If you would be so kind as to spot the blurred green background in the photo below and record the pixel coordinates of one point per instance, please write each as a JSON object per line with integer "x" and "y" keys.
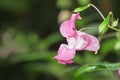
{"x": 30, "y": 38}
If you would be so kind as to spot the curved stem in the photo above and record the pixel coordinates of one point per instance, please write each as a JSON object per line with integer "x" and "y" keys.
{"x": 97, "y": 10}
{"x": 104, "y": 17}
{"x": 114, "y": 28}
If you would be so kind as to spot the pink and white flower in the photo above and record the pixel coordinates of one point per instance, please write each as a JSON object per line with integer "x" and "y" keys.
{"x": 77, "y": 41}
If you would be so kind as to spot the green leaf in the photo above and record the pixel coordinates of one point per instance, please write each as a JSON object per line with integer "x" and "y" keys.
{"x": 103, "y": 26}
{"x": 84, "y": 69}
{"x": 80, "y": 9}
{"x": 26, "y": 57}
{"x": 89, "y": 68}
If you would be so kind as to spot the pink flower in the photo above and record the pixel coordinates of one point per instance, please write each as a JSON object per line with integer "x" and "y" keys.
{"x": 77, "y": 41}
{"x": 118, "y": 72}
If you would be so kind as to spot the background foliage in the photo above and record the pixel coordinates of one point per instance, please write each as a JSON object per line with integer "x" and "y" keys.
{"x": 30, "y": 38}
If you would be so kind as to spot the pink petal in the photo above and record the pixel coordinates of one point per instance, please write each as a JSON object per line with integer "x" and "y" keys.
{"x": 118, "y": 72}
{"x": 66, "y": 62}
{"x": 75, "y": 16}
{"x": 78, "y": 42}
{"x": 67, "y": 28}
{"x": 65, "y": 54}
{"x": 92, "y": 42}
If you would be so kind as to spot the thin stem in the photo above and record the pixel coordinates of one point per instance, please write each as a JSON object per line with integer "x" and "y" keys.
{"x": 114, "y": 28}
{"x": 97, "y": 10}
{"x": 104, "y": 17}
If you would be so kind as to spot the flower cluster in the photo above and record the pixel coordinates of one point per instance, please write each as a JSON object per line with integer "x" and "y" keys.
{"x": 77, "y": 41}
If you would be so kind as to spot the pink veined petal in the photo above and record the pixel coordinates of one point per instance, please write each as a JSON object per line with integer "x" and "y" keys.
{"x": 67, "y": 28}
{"x": 66, "y": 62}
{"x": 77, "y": 42}
{"x": 64, "y": 53}
{"x": 92, "y": 42}
{"x": 80, "y": 43}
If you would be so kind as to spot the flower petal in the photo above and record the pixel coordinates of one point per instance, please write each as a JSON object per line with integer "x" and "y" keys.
{"x": 66, "y": 62}
{"x": 77, "y": 42}
{"x": 67, "y": 28}
{"x": 71, "y": 42}
{"x": 118, "y": 72}
{"x": 92, "y": 42}
{"x": 65, "y": 54}
{"x": 75, "y": 16}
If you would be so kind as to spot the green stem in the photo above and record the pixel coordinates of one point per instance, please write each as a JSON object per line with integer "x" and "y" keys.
{"x": 114, "y": 28}
{"x": 97, "y": 10}
{"x": 104, "y": 17}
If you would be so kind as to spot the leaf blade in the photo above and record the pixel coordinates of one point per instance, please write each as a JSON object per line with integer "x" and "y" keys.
{"x": 103, "y": 26}
{"x": 89, "y": 68}
{"x": 80, "y": 9}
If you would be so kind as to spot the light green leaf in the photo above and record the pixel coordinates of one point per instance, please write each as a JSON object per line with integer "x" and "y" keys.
{"x": 103, "y": 27}
{"x": 115, "y": 23}
{"x": 80, "y": 9}
{"x": 89, "y": 68}
{"x": 84, "y": 69}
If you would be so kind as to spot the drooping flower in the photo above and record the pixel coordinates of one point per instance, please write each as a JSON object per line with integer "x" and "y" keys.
{"x": 77, "y": 41}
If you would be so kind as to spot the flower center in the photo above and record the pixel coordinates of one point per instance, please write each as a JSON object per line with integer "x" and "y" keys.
{"x": 77, "y": 42}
